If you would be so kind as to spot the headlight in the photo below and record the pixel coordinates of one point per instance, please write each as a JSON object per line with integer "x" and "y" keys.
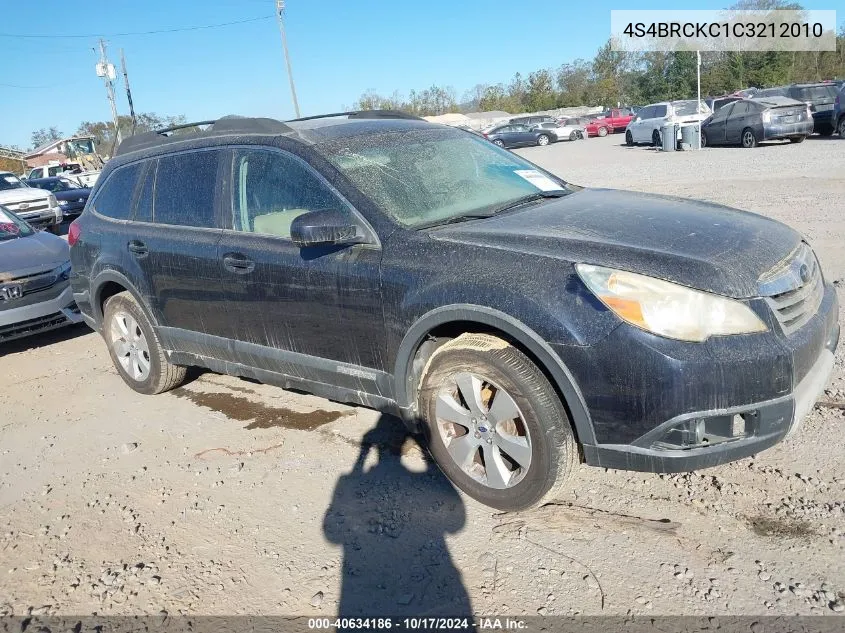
{"x": 668, "y": 309}
{"x": 51, "y": 201}
{"x": 766, "y": 116}
{"x": 63, "y": 203}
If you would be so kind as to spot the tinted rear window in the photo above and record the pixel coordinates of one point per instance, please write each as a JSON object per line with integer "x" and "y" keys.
{"x": 184, "y": 190}
{"x": 816, "y": 93}
{"x": 114, "y": 200}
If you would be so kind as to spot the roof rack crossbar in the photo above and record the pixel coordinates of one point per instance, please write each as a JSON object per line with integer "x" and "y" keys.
{"x": 163, "y": 131}
{"x": 363, "y": 114}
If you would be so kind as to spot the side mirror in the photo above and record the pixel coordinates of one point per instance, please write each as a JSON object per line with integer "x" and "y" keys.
{"x": 323, "y": 227}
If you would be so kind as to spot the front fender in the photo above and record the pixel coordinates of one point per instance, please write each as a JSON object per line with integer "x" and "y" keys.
{"x": 515, "y": 329}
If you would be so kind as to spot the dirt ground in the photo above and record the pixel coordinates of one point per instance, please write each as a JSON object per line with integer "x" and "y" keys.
{"x": 230, "y": 497}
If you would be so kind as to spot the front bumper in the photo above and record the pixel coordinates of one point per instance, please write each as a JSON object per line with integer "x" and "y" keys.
{"x": 773, "y": 131}
{"x": 665, "y": 406}
{"x": 50, "y": 314}
{"x": 41, "y": 219}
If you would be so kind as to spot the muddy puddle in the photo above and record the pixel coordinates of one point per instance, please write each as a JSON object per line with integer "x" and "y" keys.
{"x": 258, "y": 414}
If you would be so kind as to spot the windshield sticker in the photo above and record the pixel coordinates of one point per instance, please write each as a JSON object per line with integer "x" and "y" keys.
{"x": 543, "y": 183}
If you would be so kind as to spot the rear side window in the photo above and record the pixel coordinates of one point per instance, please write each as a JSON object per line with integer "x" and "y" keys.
{"x": 114, "y": 200}
{"x": 740, "y": 109}
{"x": 184, "y": 189}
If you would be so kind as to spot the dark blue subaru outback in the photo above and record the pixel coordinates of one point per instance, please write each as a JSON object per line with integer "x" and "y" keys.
{"x": 519, "y": 322}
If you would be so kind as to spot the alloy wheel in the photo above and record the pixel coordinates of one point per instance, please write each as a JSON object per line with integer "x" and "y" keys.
{"x": 130, "y": 346}
{"x": 542, "y": 140}
{"x": 483, "y": 430}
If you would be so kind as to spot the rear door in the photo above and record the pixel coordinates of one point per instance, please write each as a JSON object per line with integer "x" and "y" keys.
{"x": 524, "y": 135}
{"x": 174, "y": 240}
{"x": 289, "y": 307}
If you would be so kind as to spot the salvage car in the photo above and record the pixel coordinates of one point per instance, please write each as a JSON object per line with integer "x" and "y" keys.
{"x": 512, "y": 135}
{"x": 564, "y": 132}
{"x": 35, "y": 292}
{"x": 819, "y": 98}
{"x": 646, "y": 125}
{"x": 751, "y": 121}
{"x": 37, "y": 207}
{"x": 516, "y": 320}
{"x": 615, "y": 120}
{"x": 70, "y": 195}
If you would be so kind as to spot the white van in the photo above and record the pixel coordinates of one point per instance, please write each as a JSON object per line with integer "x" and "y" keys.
{"x": 645, "y": 127}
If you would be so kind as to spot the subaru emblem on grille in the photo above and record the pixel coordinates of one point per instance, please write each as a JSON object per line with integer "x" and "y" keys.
{"x": 11, "y": 292}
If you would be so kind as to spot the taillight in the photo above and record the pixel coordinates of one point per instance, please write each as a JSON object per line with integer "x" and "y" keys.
{"x": 73, "y": 233}
{"x": 485, "y": 135}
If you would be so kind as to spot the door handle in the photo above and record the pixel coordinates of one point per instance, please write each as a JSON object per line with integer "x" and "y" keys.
{"x": 137, "y": 248}
{"x": 238, "y": 264}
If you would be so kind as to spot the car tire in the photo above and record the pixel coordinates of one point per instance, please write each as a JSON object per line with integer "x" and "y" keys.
{"x": 841, "y": 127}
{"x": 528, "y": 438}
{"x": 542, "y": 140}
{"x": 655, "y": 138}
{"x": 797, "y": 139}
{"x": 629, "y": 138}
{"x": 135, "y": 349}
{"x": 573, "y": 135}
{"x": 748, "y": 138}
{"x": 703, "y": 139}
{"x": 602, "y": 131}
{"x": 499, "y": 143}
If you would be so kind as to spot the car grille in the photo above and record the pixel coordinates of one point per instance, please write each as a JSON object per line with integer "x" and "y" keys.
{"x": 794, "y": 290}
{"x": 31, "y": 326}
{"x": 20, "y": 291}
{"x": 25, "y": 207}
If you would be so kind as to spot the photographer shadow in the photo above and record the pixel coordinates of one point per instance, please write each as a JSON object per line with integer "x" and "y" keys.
{"x": 392, "y": 523}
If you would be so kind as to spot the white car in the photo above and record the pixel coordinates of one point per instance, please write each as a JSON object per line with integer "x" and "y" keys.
{"x": 86, "y": 178}
{"x": 564, "y": 132}
{"x": 38, "y": 207}
{"x": 645, "y": 127}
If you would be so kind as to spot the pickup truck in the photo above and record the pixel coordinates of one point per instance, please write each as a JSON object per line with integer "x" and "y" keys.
{"x": 38, "y": 207}
{"x": 615, "y": 120}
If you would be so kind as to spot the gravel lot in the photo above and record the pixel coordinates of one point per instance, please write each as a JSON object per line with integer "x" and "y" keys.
{"x": 227, "y": 497}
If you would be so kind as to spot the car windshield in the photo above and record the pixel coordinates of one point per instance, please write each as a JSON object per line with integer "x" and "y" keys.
{"x": 12, "y": 226}
{"x": 59, "y": 184}
{"x": 10, "y": 181}
{"x": 433, "y": 176}
{"x": 686, "y": 108}
{"x": 817, "y": 93}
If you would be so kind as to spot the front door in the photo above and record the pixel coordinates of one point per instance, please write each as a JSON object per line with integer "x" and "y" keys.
{"x": 737, "y": 121}
{"x": 309, "y": 311}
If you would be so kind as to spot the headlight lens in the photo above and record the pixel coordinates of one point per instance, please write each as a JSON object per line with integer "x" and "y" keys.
{"x": 668, "y": 309}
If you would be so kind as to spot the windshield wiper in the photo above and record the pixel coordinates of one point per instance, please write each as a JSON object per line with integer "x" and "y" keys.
{"x": 531, "y": 197}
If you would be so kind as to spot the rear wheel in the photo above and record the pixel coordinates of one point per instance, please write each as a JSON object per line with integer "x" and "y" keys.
{"x": 703, "y": 139}
{"x": 542, "y": 140}
{"x": 749, "y": 140}
{"x": 629, "y": 138}
{"x": 573, "y": 136}
{"x": 797, "y": 139}
{"x": 841, "y": 127}
{"x": 135, "y": 348}
{"x": 495, "y": 425}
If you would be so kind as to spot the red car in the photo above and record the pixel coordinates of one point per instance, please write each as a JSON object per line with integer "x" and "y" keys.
{"x": 614, "y": 121}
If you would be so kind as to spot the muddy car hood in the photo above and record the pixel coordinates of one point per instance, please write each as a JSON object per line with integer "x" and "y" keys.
{"x": 698, "y": 244}
{"x": 34, "y": 253}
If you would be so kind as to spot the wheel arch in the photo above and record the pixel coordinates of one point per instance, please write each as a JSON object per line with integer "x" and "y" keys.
{"x": 448, "y": 321}
{"x": 109, "y": 283}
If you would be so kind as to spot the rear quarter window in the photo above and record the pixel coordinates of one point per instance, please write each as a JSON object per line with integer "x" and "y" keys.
{"x": 184, "y": 189}
{"x": 114, "y": 200}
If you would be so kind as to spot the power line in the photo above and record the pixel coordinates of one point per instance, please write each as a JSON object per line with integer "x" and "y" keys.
{"x": 177, "y": 30}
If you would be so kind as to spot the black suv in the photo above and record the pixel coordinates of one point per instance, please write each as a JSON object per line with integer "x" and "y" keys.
{"x": 509, "y": 316}
{"x": 818, "y": 97}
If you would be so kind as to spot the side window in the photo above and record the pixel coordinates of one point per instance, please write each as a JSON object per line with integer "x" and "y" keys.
{"x": 272, "y": 189}
{"x": 184, "y": 189}
{"x": 114, "y": 200}
{"x": 144, "y": 206}
{"x": 658, "y": 112}
{"x": 723, "y": 112}
{"x": 740, "y": 108}
{"x": 647, "y": 112}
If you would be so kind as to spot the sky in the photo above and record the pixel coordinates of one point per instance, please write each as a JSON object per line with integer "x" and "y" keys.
{"x": 338, "y": 49}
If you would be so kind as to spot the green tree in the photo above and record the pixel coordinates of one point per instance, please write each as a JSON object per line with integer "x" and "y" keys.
{"x": 45, "y": 135}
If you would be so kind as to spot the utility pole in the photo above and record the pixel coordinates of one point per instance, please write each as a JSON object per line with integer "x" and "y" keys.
{"x": 280, "y": 8}
{"x": 107, "y": 72}
{"x": 128, "y": 91}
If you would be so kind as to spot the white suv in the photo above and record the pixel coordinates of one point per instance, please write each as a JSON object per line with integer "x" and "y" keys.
{"x": 645, "y": 127}
{"x": 37, "y": 206}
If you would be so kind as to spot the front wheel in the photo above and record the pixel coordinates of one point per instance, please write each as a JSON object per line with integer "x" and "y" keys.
{"x": 494, "y": 423}
{"x": 542, "y": 140}
{"x": 749, "y": 140}
{"x": 499, "y": 143}
{"x": 629, "y": 138}
{"x": 602, "y": 131}
{"x": 573, "y": 136}
{"x": 135, "y": 348}
{"x": 655, "y": 138}
{"x": 703, "y": 139}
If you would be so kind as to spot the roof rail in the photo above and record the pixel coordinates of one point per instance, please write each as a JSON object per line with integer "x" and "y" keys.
{"x": 364, "y": 114}
{"x": 230, "y": 124}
